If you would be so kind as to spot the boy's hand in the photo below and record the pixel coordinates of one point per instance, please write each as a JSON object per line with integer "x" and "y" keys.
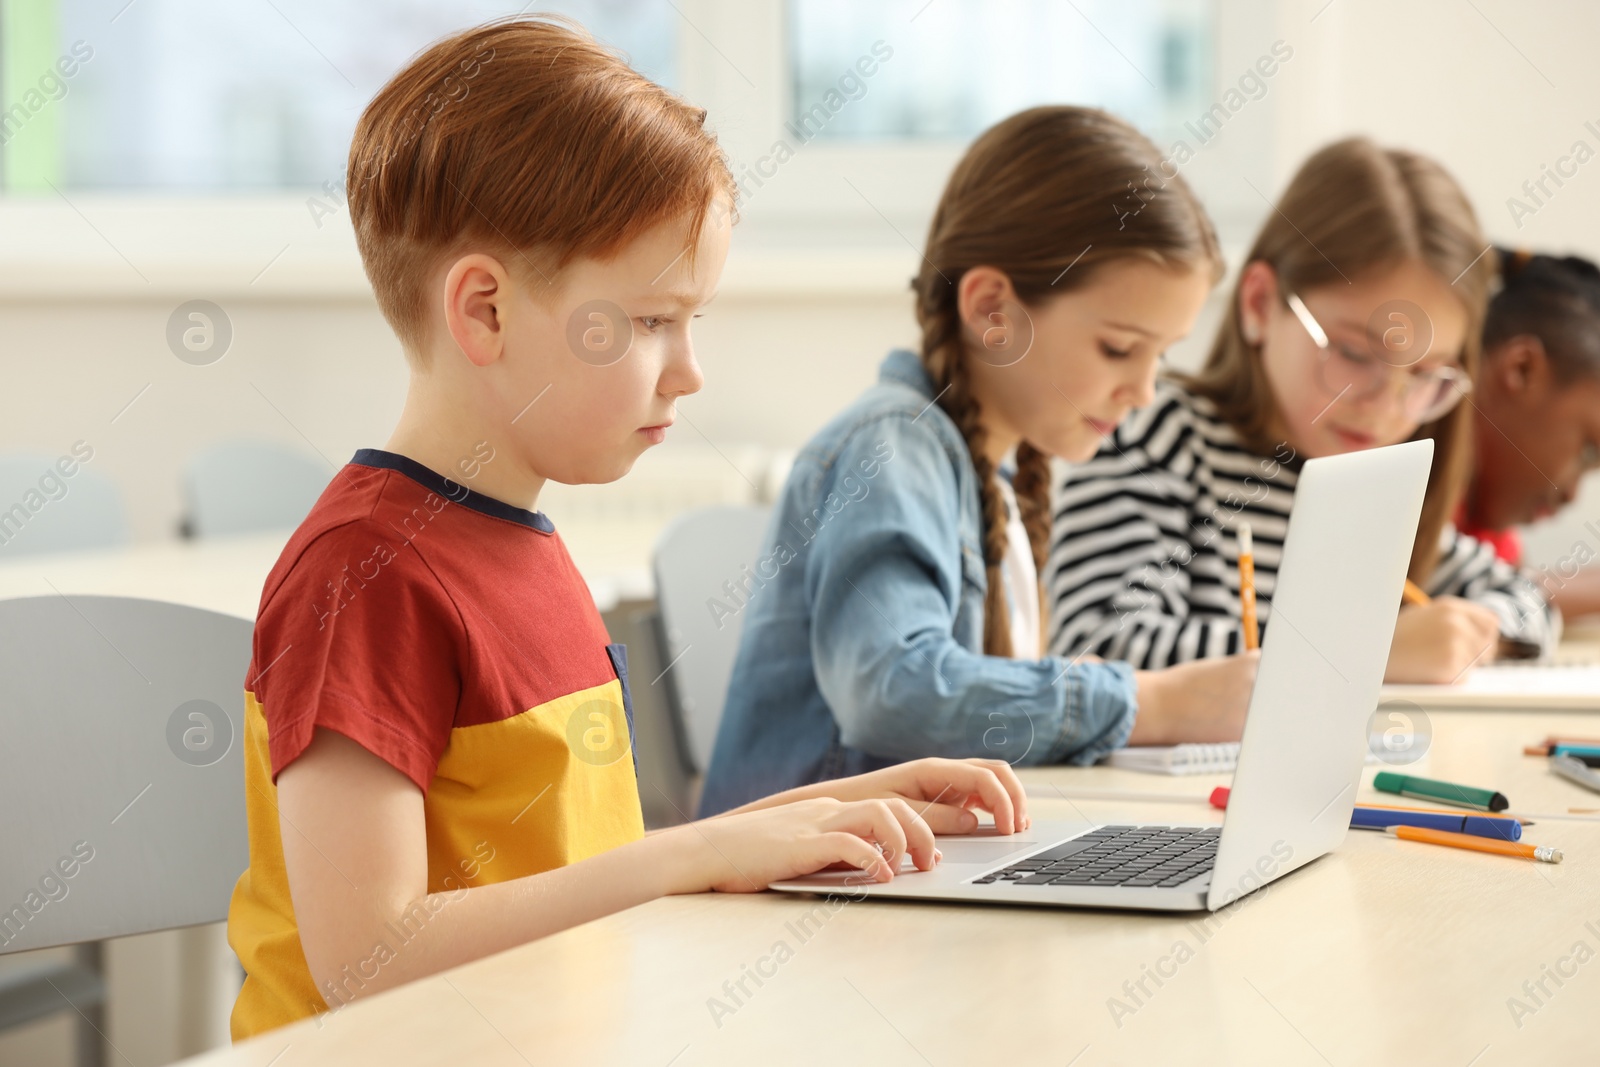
{"x": 744, "y": 852}
{"x": 867, "y": 822}
{"x": 943, "y": 792}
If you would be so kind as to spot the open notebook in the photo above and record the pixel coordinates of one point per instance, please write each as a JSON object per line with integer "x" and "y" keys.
{"x": 1511, "y": 687}
{"x": 1178, "y": 759}
{"x": 1220, "y": 758}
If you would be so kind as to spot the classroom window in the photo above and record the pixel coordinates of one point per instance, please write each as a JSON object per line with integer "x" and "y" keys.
{"x": 1146, "y": 60}
{"x": 201, "y": 95}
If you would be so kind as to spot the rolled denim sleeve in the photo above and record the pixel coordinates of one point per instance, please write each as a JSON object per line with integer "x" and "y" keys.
{"x": 884, "y": 576}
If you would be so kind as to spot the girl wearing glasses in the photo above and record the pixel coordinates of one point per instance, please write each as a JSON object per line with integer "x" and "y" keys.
{"x": 1355, "y": 323}
{"x": 1538, "y": 413}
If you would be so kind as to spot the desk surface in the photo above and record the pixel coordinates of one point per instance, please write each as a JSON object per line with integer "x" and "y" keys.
{"x": 1383, "y": 952}
{"x": 226, "y": 574}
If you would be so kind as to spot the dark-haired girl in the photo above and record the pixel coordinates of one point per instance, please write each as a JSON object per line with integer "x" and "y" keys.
{"x": 900, "y": 611}
{"x": 1538, "y": 412}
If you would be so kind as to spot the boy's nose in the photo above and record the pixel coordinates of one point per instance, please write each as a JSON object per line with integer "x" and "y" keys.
{"x": 682, "y": 375}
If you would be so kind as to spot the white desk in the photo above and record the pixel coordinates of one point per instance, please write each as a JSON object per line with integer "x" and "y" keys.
{"x": 226, "y": 574}
{"x": 1383, "y": 952}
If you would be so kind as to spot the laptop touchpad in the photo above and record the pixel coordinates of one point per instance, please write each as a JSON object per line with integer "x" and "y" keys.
{"x": 956, "y": 850}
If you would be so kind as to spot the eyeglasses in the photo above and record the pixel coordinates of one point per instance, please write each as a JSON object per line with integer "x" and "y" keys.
{"x": 1425, "y": 395}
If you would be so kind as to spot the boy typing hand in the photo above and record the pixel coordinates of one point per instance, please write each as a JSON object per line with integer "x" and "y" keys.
{"x": 438, "y": 729}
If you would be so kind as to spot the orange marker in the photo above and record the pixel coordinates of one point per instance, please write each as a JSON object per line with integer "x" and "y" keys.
{"x": 1542, "y": 853}
{"x": 1247, "y": 589}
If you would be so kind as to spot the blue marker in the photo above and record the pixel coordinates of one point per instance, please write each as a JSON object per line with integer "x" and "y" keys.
{"x": 1588, "y": 755}
{"x": 1477, "y": 825}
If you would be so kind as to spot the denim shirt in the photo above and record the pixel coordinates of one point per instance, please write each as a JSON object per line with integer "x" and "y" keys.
{"x": 863, "y": 630}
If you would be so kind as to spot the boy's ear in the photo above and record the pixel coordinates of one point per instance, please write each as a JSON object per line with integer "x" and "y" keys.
{"x": 476, "y": 290}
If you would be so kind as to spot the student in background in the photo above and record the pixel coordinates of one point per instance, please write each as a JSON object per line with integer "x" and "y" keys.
{"x": 1355, "y": 323}
{"x": 899, "y": 610}
{"x": 1538, "y": 413}
{"x": 438, "y": 734}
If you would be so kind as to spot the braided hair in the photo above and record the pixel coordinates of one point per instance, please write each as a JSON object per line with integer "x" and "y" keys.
{"x": 1045, "y": 196}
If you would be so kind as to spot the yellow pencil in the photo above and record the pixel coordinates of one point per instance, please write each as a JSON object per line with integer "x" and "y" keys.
{"x": 1247, "y": 589}
{"x": 1542, "y": 853}
{"x": 1413, "y": 594}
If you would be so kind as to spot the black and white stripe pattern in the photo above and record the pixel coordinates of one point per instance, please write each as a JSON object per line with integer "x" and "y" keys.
{"x": 1144, "y": 557}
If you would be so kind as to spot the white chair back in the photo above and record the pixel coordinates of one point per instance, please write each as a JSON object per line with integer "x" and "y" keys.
{"x": 44, "y": 509}
{"x": 123, "y": 785}
{"x": 250, "y": 486}
{"x": 695, "y": 556}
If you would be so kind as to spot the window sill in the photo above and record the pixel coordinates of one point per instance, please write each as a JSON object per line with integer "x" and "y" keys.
{"x": 272, "y": 248}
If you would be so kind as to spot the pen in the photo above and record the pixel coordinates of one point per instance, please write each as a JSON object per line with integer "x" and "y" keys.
{"x": 1463, "y": 796}
{"x": 1542, "y": 853}
{"x": 1364, "y": 818}
{"x": 1247, "y": 588}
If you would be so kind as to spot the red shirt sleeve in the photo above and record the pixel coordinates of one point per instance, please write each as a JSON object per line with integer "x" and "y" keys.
{"x": 359, "y": 637}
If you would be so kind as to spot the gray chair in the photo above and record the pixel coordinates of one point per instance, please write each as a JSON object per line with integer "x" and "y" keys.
{"x": 42, "y": 510}
{"x": 249, "y": 486}
{"x": 695, "y": 555}
{"x": 123, "y": 788}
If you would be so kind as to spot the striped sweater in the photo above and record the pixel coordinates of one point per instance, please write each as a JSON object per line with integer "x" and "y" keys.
{"x": 1144, "y": 558}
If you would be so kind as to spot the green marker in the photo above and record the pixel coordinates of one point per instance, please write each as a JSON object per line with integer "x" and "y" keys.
{"x": 1463, "y": 796}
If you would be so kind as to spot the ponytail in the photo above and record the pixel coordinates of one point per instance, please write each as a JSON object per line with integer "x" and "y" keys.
{"x": 1553, "y": 298}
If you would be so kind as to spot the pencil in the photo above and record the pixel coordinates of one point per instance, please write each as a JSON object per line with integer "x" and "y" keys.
{"x": 1247, "y": 589}
{"x": 1542, "y": 853}
{"x": 1413, "y": 594}
{"x": 1543, "y": 748}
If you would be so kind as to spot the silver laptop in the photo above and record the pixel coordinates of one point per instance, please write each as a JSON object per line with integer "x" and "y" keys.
{"x": 1322, "y": 662}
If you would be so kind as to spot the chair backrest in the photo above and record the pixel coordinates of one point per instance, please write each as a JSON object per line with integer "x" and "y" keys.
{"x": 43, "y": 509}
{"x": 247, "y": 486}
{"x": 122, "y": 798}
{"x": 695, "y": 556}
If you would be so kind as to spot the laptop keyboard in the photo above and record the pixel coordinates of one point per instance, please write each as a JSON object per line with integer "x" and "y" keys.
{"x": 1118, "y": 855}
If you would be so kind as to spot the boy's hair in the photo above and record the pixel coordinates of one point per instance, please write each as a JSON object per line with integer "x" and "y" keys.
{"x": 1553, "y": 298}
{"x": 1048, "y": 196}
{"x": 527, "y": 139}
{"x": 1355, "y": 207}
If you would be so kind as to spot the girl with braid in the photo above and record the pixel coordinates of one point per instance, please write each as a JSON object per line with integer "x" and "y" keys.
{"x": 895, "y": 609}
{"x": 1537, "y": 414}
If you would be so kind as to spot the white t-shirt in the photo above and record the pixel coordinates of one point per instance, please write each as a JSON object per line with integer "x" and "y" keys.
{"x": 1020, "y": 576}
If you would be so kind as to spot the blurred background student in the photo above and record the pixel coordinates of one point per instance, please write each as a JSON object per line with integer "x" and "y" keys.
{"x": 1355, "y": 323}
{"x": 1538, "y": 415}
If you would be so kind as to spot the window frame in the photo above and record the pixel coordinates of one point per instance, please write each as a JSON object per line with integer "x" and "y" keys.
{"x": 863, "y": 206}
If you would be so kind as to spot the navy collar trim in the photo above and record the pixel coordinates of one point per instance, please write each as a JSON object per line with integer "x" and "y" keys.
{"x": 454, "y": 492}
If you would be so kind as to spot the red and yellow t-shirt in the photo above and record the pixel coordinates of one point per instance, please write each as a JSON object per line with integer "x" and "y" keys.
{"x": 449, "y": 634}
